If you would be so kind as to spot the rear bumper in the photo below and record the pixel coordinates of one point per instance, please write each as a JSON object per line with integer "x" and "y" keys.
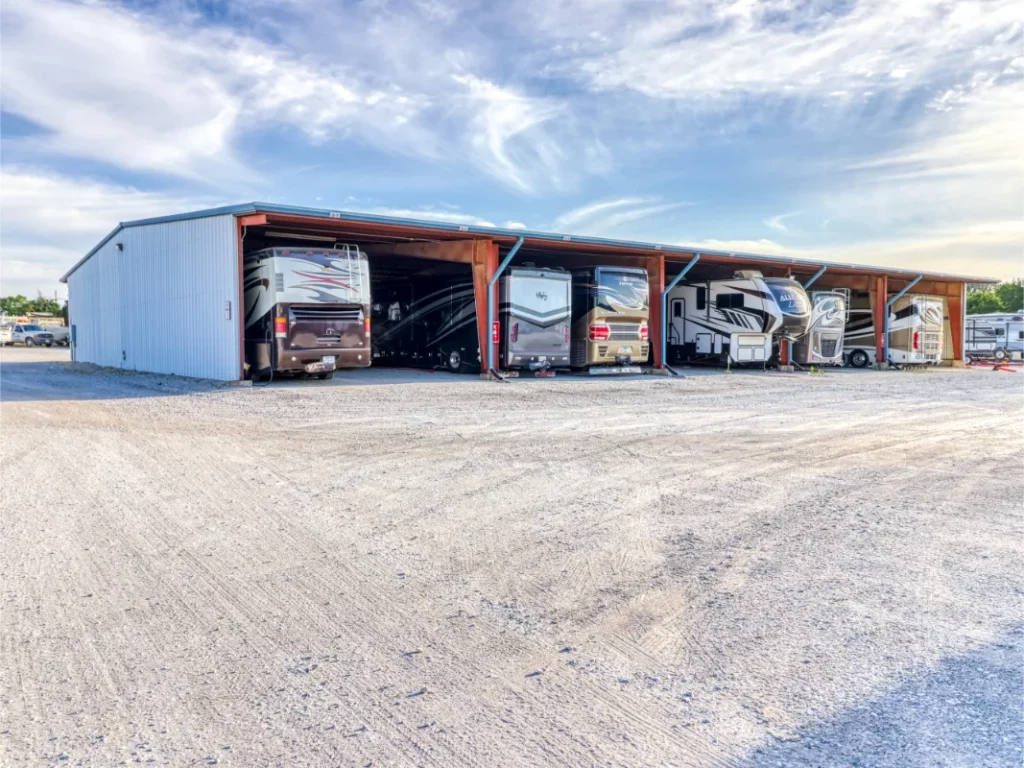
{"x": 617, "y": 352}
{"x": 299, "y": 359}
{"x": 534, "y": 362}
{"x": 260, "y": 356}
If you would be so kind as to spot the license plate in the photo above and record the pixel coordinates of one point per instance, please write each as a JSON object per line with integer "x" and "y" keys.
{"x": 625, "y": 350}
{"x": 329, "y": 359}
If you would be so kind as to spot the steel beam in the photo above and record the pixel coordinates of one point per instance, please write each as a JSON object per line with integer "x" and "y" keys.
{"x": 888, "y": 311}
{"x": 817, "y": 274}
{"x": 490, "y": 304}
{"x": 664, "y": 311}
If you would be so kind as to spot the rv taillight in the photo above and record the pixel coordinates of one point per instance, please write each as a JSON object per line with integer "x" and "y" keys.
{"x": 495, "y": 332}
{"x": 281, "y": 327}
{"x": 513, "y": 333}
{"x": 566, "y": 329}
{"x": 645, "y": 332}
{"x": 366, "y": 325}
{"x": 599, "y": 332}
{"x": 917, "y": 340}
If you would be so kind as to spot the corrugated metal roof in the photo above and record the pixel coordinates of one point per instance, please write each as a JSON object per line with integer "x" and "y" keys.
{"x": 500, "y": 232}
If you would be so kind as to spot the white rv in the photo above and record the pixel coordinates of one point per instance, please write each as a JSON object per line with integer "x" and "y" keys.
{"x": 916, "y": 330}
{"x": 996, "y": 335}
{"x": 823, "y": 342}
{"x": 723, "y": 320}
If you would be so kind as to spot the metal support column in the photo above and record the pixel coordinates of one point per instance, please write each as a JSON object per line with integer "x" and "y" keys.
{"x": 490, "y": 306}
{"x": 664, "y": 312}
{"x": 817, "y": 274}
{"x": 888, "y": 312}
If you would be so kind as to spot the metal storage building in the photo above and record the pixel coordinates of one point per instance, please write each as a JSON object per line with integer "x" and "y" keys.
{"x": 164, "y": 295}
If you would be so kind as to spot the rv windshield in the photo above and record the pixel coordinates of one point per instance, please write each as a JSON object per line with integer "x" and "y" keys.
{"x": 622, "y": 291}
{"x": 791, "y": 299}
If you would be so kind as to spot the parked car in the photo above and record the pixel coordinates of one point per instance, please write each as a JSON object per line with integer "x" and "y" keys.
{"x": 61, "y": 334}
{"x": 31, "y": 335}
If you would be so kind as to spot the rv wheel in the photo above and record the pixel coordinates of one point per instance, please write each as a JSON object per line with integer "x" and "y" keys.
{"x": 455, "y": 361}
{"x": 859, "y": 358}
{"x": 324, "y": 376}
{"x": 1000, "y": 354}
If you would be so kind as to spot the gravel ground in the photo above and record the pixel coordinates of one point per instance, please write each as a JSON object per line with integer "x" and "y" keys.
{"x": 425, "y": 570}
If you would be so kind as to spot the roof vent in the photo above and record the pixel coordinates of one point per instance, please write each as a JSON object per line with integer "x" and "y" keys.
{"x": 747, "y": 274}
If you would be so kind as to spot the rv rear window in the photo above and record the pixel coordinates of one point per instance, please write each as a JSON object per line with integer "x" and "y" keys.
{"x": 1000, "y": 331}
{"x": 702, "y": 298}
{"x": 729, "y": 301}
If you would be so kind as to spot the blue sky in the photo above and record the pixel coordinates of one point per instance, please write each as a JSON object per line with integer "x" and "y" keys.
{"x": 877, "y": 132}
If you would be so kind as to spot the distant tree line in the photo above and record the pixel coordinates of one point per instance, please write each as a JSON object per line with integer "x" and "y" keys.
{"x": 20, "y": 305}
{"x": 1005, "y": 297}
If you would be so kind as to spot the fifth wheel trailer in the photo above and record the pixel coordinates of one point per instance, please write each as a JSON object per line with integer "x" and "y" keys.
{"x": 726, "y": 321}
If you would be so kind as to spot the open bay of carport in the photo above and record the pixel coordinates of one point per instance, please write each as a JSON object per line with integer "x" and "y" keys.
{"x": 430, "y": 569}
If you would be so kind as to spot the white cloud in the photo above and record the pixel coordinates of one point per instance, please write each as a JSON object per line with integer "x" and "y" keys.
{"x": 50, "y": 221}
{"x": 605, "y": 216}
{"x": 172, "y": 94}
{"x": 776, "y": 222}
{"x": 573, "y": 218}
{"x": 995, "y": 250}
{"x": 713, "y": 54}
{"x": 427, "y": 214}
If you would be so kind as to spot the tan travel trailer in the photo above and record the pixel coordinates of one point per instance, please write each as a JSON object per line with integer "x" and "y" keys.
{"x": 610, "y": 315}
{"x": 916, "y": 330}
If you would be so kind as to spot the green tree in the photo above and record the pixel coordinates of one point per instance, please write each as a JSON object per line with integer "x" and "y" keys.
{"x": 1010, "y": 295}
{"x": 14, "y": 305}
{"x": 983, "y": 302}
{"x": 43, "y": 304}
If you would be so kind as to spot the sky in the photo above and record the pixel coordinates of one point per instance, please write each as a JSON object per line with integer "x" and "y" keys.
{"x": 876, "y": 132}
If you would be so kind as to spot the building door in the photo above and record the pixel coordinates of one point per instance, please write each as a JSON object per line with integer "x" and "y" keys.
{"x": 677, "y": 322}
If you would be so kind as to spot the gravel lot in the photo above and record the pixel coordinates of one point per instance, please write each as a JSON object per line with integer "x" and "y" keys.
{"x": 425, "y": 570}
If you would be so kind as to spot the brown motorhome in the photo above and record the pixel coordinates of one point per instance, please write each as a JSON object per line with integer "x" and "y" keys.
{"x": 610, "y": 314}
{"x": 307, "y": 311}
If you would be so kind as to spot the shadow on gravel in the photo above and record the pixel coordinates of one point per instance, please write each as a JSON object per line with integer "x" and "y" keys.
{"x": 49, "y": 381}
{"x": 967, "y": 712}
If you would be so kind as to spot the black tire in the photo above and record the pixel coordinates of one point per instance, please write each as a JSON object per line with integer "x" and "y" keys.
{"x": 1000, "y": 354}
{"x": 325, "y": 376}
{"x": 454, "y": 361}
{"x": 859, "y": 358}
{"x": 49, "y": 344}
{"x": 968, "y": 359}
{"x": 29, "y": 342}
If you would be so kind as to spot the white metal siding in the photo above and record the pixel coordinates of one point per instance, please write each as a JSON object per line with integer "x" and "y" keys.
{"x": 158, "y": 305}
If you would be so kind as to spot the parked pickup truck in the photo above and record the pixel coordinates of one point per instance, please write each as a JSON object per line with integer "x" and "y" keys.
{"x": 61, "y": 334}
{"x": 31, "y": 336}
